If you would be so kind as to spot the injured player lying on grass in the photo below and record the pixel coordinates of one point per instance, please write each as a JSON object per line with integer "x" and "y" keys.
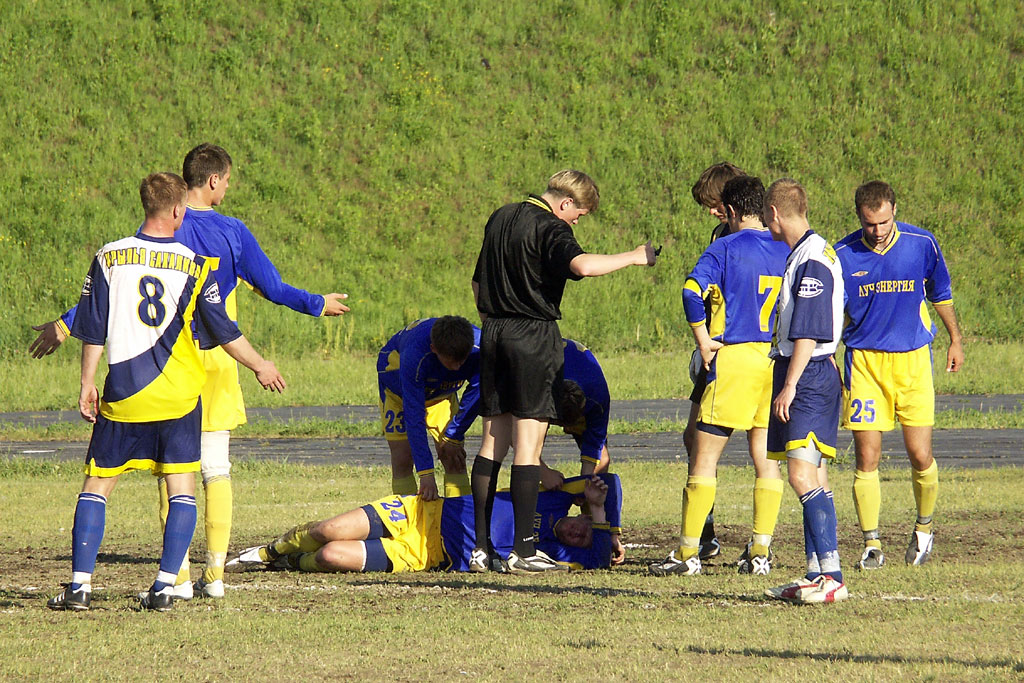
{"x": 406, "y": 533}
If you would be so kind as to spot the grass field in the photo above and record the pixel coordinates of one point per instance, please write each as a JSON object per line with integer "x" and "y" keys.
{"x": 371, "y": 140}
{"x": 958, "y": 618}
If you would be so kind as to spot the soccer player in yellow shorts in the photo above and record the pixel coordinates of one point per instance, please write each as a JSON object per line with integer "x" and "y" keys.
{"x": 740, "y": 274}
{"x": 890, "y": 269}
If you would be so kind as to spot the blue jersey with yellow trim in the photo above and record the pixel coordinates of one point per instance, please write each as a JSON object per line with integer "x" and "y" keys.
{"x": 811, "y": 301}
{"x": 591, "y": 432}
{"x": 740, "y": 275}
{"x": 458, "y": 530}
{"x": 886, "y": 289}
{"x": 409, "y": 369}
{"x": 139, "y": 301}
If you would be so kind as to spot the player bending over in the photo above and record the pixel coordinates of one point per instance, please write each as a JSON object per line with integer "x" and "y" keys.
{"x": 419, "y": 373}
{"x": 408, "y": 533}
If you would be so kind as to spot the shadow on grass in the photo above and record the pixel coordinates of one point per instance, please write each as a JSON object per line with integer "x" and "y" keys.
{"x": 115, "y": 558}
{"x": 1015, "y": 665}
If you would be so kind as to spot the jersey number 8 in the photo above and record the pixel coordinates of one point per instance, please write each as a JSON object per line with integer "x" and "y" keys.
{"x": 152, "y": 310}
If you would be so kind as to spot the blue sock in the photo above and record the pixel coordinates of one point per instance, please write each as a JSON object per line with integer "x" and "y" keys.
{"x": 830, "y": 563}
{"x": 181, "y": 524}
{"x": 87, "y": 534}
{"x": 810, "y": 540}
{"x": 820, "y": 530}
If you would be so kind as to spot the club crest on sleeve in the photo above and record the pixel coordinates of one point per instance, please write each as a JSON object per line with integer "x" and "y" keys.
{"x": 810, "y": 287}
{"x": 212, "y": 294}
{"x": 860, "y": 273}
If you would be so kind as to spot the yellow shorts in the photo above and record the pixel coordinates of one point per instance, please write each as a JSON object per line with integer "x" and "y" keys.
{"x": 739, "y": 388}
{"x": 881, "y": 385}
{"x": 223, "y": 407}
{"x": 415, "y": 527}
{"x": 439, "y": 414}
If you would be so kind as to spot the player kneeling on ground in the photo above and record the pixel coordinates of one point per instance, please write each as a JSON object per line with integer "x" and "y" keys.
{"x": 407, "y": 533}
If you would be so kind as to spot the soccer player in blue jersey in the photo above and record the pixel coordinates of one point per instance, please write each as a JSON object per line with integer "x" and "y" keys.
{"x": 740, "y": 275}
{"x": 139, "y": 302}
{"x": 707, "y": 192}
{"x": 406, "y": 533}
{"x": 207, "y": 171}
{"x": 585, "y": 407}
{"x": 419, "y": 374}
{"x": 806, "y": 393}
{"x": 890, "y": 270}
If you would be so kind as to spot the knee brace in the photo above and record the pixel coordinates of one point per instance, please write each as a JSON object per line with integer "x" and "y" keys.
{"x": 214, "y": 461}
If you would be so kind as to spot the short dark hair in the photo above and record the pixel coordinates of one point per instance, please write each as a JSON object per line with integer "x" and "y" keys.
{"x": 571, "y": 402}
{"x": 707, "y": 191}
{"x": 872, "y": 195}
{"x": 161, "y": 191}
{"x": 203, "y": 161}
{"x": 745, "y": 194}
{"x": 452, "y": 337}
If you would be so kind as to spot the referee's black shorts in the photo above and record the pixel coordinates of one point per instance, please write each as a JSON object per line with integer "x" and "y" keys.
{"x": 521, "y": 362}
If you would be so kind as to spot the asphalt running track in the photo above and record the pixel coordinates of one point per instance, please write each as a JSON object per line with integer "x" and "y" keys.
{"x": 964, "y": 448}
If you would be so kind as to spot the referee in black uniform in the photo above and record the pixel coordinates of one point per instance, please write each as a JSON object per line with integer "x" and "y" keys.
{"x": 528, "y": 253}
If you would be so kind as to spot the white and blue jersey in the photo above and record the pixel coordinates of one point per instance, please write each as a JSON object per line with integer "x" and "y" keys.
{"x": 811, "y": 301}
{"x": 408, "y": 368}
{"x": 591, "y": 431}
{"x": 886, "y": 289}
{"x": 459, "y": 536}
{"x": 139, "y": 301}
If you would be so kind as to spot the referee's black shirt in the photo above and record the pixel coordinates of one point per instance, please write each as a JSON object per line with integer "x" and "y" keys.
{"x": 524, "y": 262}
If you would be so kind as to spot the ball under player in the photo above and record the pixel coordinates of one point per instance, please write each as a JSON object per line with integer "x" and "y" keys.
{"x": 707, "y": 192}
{"x": 419, "y": 374}
{"x": 139, "y": 301}
{"x": 528, "y": 253}
{"x": 207, "y": 171}
{"x": 407, "y": 533}
{"x": 740, "y": 275}
{"x": 806, "y": 393}
{"x": 890, "y": 269}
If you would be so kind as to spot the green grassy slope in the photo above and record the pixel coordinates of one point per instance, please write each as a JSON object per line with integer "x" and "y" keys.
{"x": 371, "y": 141}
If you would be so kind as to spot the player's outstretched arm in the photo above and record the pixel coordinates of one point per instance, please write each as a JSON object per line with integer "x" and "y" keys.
{"x": 595, "y": 265}
{"x": 333, "y": 305}
{"x": 266, "y": 372}
{"x": 955, "y": 353}
{"x": 50, "y": 337}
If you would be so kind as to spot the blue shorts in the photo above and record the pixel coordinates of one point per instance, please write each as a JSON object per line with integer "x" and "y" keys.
{"x": 165, "y": 447}
{"x": 814, "y": 413}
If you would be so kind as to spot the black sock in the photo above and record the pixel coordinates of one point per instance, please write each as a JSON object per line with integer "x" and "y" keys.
{"x": 484, "y": 483}
{"x": 525, "y": 486}
{"x": 709, "y": 527}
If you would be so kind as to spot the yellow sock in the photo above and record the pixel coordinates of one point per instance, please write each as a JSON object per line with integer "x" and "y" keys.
{"x": 456, "y": 485}
{"x": 404, "y": 486}
{"x": 185, "y": 571}
{"x": 926, "y": 491}
{"x": 218, "y": 526}
{"x": 296, "y": 540}
{"x": 767, "y": 500}
{"x": 867, "y": 498}
{"x": 698, "y": 499}
{"x": 308, "y": 563}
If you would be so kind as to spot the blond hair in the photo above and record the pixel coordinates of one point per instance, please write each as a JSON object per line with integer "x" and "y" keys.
{"x": 788, "y": 196}
{"x": 160, "y": 192}
{"x": 576, "y": 185}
